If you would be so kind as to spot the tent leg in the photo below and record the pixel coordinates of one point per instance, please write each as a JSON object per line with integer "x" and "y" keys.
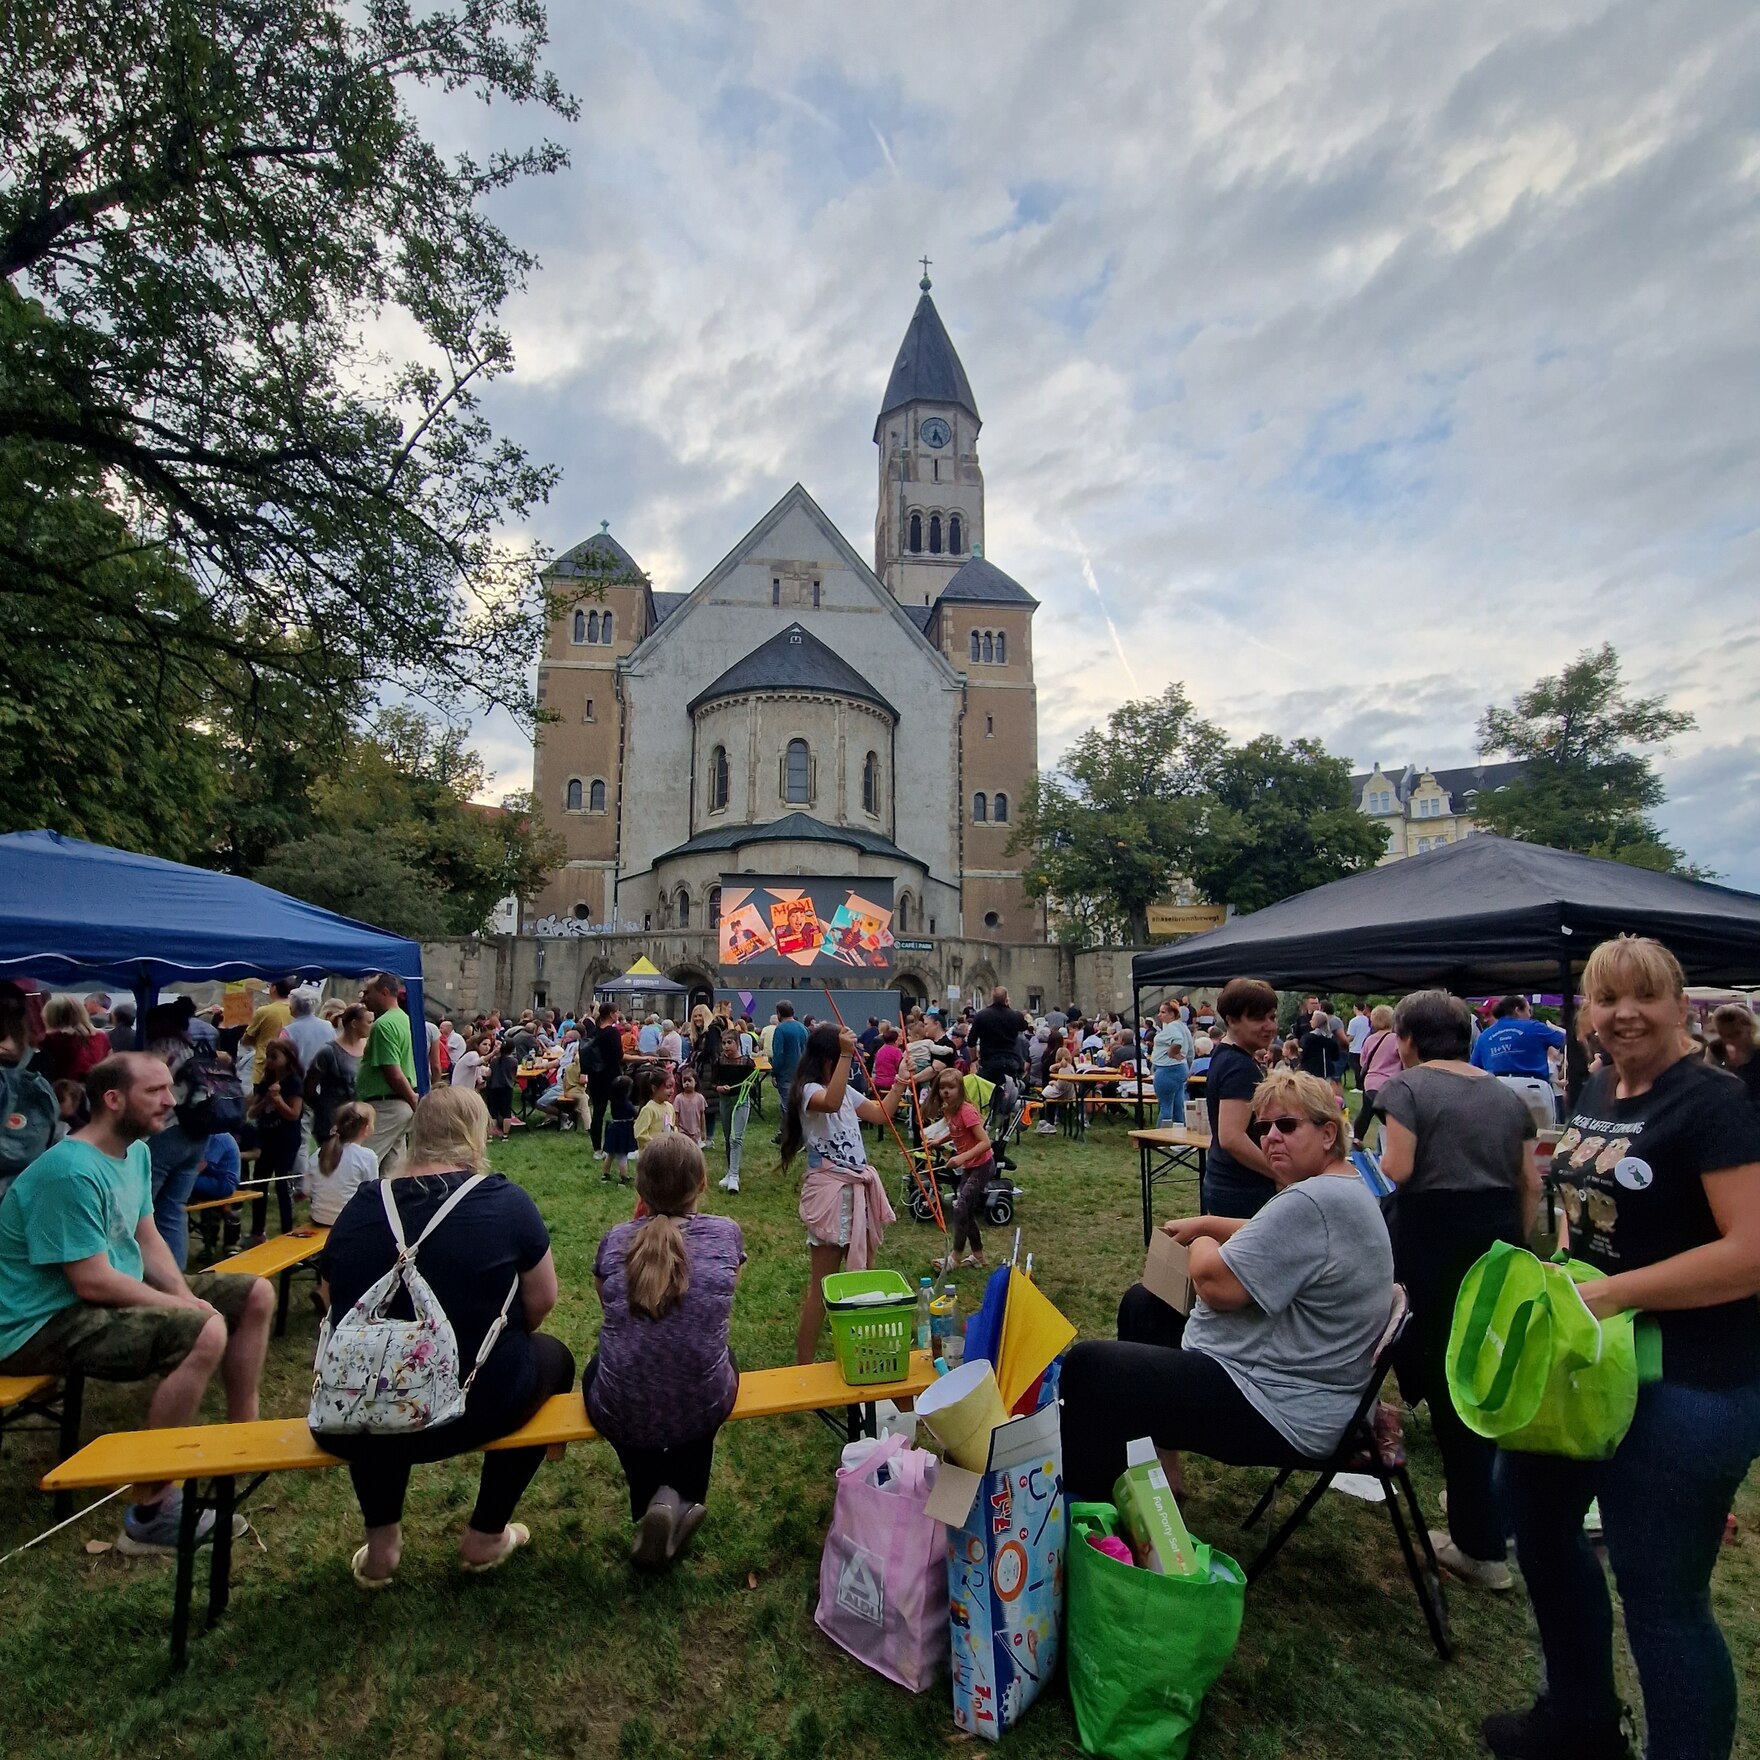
{"x": 1142, "y": 1062}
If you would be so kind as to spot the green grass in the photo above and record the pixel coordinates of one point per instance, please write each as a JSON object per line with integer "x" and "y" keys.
{"x": 566, "y": 1652}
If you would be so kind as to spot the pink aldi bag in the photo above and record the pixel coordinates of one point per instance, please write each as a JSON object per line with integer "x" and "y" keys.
{"x": 883, "y": 1574}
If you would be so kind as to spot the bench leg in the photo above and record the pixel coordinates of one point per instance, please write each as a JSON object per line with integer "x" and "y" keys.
{"x": 73, "y": 1395}
{"x": 186, "y": 1574}
{"x": 285, "y": 1289}
{"x": 220, "y": 1560}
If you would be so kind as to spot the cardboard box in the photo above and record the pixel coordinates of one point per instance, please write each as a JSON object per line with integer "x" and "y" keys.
{"x": 1006, "y": 1539}
{"x": 1149, "y": 1514}
{"x": 1167, "y": 1272}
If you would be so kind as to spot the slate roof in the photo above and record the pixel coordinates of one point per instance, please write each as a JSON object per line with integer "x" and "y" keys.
{"x": 1457, "y": 783}
{"x": 982, "y": 581}
{"x": 793, "y": 659}
{"x": 921, "y": 615}
{"x": 927, "y": 369}
{"x": 790, "y": 828}
{"x": 599, "y": 557}
{"x": 667, "y": 603}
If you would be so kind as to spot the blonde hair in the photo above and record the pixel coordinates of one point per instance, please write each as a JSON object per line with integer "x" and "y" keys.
{"x": 450, "y": 1129}
{"x": 1307, "y": 1095}
{"x": 1381, "y": 1018}
{"x": 669, "y": 1177}
{"x": 352, "y": 1120}
{"x": 67, "y": 1014}
{"x": 1633, "y": 965}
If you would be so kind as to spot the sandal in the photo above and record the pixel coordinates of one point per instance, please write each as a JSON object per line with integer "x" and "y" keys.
{"x": 358, "y": 1564}
{"x": 518, "y": 1535}
{"x": 976, "y": 1259}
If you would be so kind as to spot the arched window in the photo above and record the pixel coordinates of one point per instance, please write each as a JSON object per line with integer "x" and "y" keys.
{"x": 901, "y": 917}
{"x": 718, "y": 788}
{"x": 999, "y": 809}
{"x": 596, "y": 798}
{"x": 934, "y": 534}
{"x": 592, "y": 626}
{"x": 1001, "y": 649}
{"x": 714, "y": 907}
{"x": 980, "y": 809}
{"x": 955, "y": 534}
{"x": 989, "y": 646}
{"x": 573, "y": 798}
{"x": 916, "y": 534}
{"x": 977, "y": 646}
{"x": 684, "y": 908}
{"x": 797, "y": 773}
{"x": 871, "y": 783}
{"x": 580, "y": 626}
{"x": 605, "y": 629}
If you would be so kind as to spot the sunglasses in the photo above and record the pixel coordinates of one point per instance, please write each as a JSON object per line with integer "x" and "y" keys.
{"x": 1258, "y": 1129}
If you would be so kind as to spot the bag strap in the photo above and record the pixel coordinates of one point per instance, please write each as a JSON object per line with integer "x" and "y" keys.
{"x": 406, "y": 1254}
{"x": 887, "y": 1449}
{"x": 491, "y": 1336}
{"x": 1494, "y": 1274}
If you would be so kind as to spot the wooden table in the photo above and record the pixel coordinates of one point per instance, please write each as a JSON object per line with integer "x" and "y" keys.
{"x": 1168, "y": 1152}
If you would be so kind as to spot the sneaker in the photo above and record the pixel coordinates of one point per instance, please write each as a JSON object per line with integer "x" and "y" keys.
{"x": 1541, "y": 1733}
{"x": 1592, "y": 1520}
{"x": 1044, "y": 1130}
{"x": 690, "y": 1519}
{"x": 656, "y": 1533}
{"x": 151, "y": 1530}
{"x": 1479, "y": 1573}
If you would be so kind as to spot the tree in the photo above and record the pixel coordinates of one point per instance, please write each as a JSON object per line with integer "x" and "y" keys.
{"x": 215, "y": 224}
{"x": 1111, "y": 832}
{"x": 1583, "y": 789}
{"x": 1282, "y": 821}
{"x": 358, "y": 874}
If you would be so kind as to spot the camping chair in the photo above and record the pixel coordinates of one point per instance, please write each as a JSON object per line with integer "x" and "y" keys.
{"x": 1357, "y": 1441}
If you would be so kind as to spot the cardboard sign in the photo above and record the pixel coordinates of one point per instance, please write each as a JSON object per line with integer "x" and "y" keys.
{"x": 1167, "y": 1272}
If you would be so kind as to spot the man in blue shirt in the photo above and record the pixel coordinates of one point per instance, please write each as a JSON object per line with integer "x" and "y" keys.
{"x": 786, "y": 1045}
{"x": 1515, "y": 1044}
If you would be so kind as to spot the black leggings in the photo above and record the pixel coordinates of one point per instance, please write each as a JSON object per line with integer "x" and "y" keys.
{"x": 1145, "y": 1385}
{"x": 599, "y": 1099}
{"x": 379, "y": 1465}
{"x": 685, "y": 1466}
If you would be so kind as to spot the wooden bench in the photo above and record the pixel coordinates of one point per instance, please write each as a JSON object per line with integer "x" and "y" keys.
{"x": 57, "y": 1400}
{"x": 242, "y": 1193}
{"x": 226, "y": 1453}
{"x": 279, "y": 1259}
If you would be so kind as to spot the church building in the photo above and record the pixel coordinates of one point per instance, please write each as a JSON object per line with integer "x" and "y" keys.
{"x": 798, "y": 711}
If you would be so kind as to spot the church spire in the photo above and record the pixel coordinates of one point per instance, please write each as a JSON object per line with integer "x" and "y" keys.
{"x": 928, "y": 368}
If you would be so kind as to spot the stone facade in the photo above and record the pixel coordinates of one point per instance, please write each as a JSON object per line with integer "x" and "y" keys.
{"x": 1422, "y": 808}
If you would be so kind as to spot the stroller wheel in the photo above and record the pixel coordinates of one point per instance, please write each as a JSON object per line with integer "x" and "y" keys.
{"x": 1000, "y": 1209}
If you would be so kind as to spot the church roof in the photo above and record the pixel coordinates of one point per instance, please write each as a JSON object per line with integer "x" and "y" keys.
{"x": 927, "y": 369}
{"x": 790, "y": 828}
{"x": 921, "y": 615}
{"x": 600, "y": 556}
{"x": 792, "y": 660}
{"x": 667, "y": 603}
{"x": 983, "y": 581}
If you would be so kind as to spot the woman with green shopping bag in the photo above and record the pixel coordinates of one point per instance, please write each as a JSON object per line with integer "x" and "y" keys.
{"x": 1658, "y": 1176}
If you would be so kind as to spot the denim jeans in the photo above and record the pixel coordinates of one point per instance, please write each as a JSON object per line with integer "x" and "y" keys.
{"x": 175, "y": 1156}
{"x": 1170, "y": 1091}
{"x": 1664, "y": 1496}
{"x": 734, "y": 1113}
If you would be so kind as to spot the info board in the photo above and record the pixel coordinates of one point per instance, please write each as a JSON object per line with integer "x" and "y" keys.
{"x": 796, "y": 922}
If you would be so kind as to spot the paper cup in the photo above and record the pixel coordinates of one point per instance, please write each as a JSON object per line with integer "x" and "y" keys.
{"x": 961, "y": 1410}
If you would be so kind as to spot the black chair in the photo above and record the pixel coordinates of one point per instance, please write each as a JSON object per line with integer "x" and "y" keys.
{"x": 1357, "y": 1444}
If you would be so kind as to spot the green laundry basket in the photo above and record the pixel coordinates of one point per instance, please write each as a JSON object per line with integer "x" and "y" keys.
{"x": 871, "y": 1314}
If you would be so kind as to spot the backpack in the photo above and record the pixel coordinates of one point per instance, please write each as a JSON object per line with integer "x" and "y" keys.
{"x": 210, "y": 1097}
{"x": 378, "y": 1376}
{"x": 29, "y": 1112}
{"x": 591, "y": 1063}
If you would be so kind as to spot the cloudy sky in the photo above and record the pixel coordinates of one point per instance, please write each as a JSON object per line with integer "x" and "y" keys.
{"x": 1354, "y": 365}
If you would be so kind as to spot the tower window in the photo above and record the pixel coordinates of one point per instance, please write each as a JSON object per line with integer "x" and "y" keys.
{"x": 916, "y": 534}
{"x": 1001, "y": 649}
{"x": 596, "y": 797}
{"x": 587, "y": 711}
{"x": 580, "y": 626}
{"x": 592, "y": 626}
{"x": 583, "y": 913}
{"x": 989, "y": 646}
{"x": 992, "y": 920}
{"x": 572, "y": 799}
{"x": 871, "y": 783}
{"x": 684, "y": 908}
{"x": 718, "y": 780}
{"x": 776, "y": 589}
{"x": 797, "y": 773}
{"x": 955, "y": 535}
{"x": 815, "y": 595}
{"x": 902, "y": 916}
{"x": 999, "y": 809}
{"x": 605, "y": 629}
{"x": 980, "y": 809}
{"x": 977, "y": 646}
{"x": 934, "y": 534}
{"x": 989, "y": 726}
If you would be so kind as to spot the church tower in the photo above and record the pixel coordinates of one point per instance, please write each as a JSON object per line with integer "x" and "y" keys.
{"x": 930, "y": 519}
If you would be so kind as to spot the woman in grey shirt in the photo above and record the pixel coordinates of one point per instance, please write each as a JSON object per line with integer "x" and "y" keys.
{"x": 1459, "y": 1146}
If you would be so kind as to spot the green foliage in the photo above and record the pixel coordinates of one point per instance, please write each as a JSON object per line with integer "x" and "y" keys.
{"x": 1584, "y": 789}
{"x": 216, "y": 224}
{"x": 361, "y": 875}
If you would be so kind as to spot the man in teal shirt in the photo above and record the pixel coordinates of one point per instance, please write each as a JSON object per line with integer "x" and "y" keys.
{"x": 87, "y": 1285}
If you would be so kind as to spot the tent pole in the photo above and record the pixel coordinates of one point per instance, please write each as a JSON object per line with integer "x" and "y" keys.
{"x": 1141, "y": 1061}
{"x": 1567, "y": 987}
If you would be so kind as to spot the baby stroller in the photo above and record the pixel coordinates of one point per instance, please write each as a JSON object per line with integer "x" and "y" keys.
{"x": 1002, "y": 1108}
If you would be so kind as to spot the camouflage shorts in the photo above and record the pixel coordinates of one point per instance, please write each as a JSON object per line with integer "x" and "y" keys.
{"x": 128, "y": 1344}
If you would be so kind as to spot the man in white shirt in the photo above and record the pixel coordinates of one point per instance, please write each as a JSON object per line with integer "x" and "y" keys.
{"x": 454, "y": 1043}
{"x": 1357, "y": 1032}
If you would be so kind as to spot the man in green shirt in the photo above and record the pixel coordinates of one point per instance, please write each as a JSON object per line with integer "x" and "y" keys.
{"x": 88, "y": 1285}
{"x": 387, "y": 1079}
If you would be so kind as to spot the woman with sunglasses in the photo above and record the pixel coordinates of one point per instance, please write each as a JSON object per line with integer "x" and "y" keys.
{"x": 1290, "y": 1305}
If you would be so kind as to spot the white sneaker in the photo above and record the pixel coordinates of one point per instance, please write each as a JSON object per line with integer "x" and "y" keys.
{"x": 730, "y": 1183}
{"x": 1045, "y": 1130}
{"x": 1480, "y": 1573}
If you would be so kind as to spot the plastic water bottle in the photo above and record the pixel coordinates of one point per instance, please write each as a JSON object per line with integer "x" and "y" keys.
{"x": 941, "y": 1309}
{"x": 954, "y": 1345}
{"x": 924, "y": 1327}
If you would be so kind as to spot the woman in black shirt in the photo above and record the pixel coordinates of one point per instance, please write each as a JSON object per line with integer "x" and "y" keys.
{"x": 1237, "y": 1177}
{"x": 469, "y": 1263}
{"x": 278, "y": 1107}
{"x": 1658, "y": 1173}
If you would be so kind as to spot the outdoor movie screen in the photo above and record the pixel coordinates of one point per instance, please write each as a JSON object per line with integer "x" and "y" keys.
{"x": 790, "y": 922}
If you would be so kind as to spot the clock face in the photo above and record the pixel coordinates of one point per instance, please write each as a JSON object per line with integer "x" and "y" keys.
{"x": 936, "y": 433}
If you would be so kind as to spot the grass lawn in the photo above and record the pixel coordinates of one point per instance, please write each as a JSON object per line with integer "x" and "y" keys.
{"x": 566, "y": 1652}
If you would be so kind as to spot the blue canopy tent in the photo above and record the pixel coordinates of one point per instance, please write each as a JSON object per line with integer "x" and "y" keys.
{"x": 81, "y": 913}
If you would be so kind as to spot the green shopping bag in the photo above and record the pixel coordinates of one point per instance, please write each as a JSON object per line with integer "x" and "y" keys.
{"x": 1531, "y": 1368}
{"x": 1144, "y": 1649}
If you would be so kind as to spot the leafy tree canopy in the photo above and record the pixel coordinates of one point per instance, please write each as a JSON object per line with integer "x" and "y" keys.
{"x": 357, "y": 874}
{"x": 248, "y": 310}
{"x": 1584, "y": 788}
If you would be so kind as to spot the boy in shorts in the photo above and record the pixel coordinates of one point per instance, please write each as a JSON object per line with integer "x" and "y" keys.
{"x": 88, "y": 1284}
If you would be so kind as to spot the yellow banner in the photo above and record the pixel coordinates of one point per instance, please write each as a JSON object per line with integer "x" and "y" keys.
{"x": 1185, "y": 919}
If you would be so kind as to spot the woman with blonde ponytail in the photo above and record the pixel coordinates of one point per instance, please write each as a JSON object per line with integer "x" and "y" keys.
{"x": 663, "y": 1380}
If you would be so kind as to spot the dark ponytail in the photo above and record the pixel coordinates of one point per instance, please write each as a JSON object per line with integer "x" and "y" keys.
{"x": 818, "y": 1064}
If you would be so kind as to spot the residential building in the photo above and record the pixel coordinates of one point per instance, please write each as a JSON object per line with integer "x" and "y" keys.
{"x": 1423, "y": 808}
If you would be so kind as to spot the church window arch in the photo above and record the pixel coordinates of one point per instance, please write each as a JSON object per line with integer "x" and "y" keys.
{"x": 934, "y": 534}
{"x": 901, "y": 915}
{"x": 718, "y": 780}
{"x": 977, "y": 646}
{"x": 955, "y": 535}
{"x": 592, "y": 626}
{"x": 596, "y": 796}
{"x": 572, "y": 796}
{"x": 580, "y": 626}
{"x": 605, "y": 629}
{"x": 999, "y": 810}
{"x": 682, "y": 909}
{"x": 980, "y": 809}
{"x": 916, "y": 538}
{"x": 713, "y": 904}
{"x": 1001, "y": 648}
{"x": 871, "y": 784}
{"x": 989, "y": 647}
{"x": 797, "y": 773}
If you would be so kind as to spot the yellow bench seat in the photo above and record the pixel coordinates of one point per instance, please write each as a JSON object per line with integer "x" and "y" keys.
{"x": 283, "y": 1253}
{"x": 16, "y": 1389}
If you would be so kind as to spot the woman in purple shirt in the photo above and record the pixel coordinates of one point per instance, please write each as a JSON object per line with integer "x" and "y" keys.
{"x": 663, "y": 1380}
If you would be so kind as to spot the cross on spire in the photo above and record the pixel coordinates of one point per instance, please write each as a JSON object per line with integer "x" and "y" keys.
{"x": 924, "y": 283}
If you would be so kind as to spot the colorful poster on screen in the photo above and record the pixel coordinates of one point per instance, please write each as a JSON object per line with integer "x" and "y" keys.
{"x": 795, "y": 922}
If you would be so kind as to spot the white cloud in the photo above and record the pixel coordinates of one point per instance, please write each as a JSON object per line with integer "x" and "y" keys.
{"x": 1384, "y": 357}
